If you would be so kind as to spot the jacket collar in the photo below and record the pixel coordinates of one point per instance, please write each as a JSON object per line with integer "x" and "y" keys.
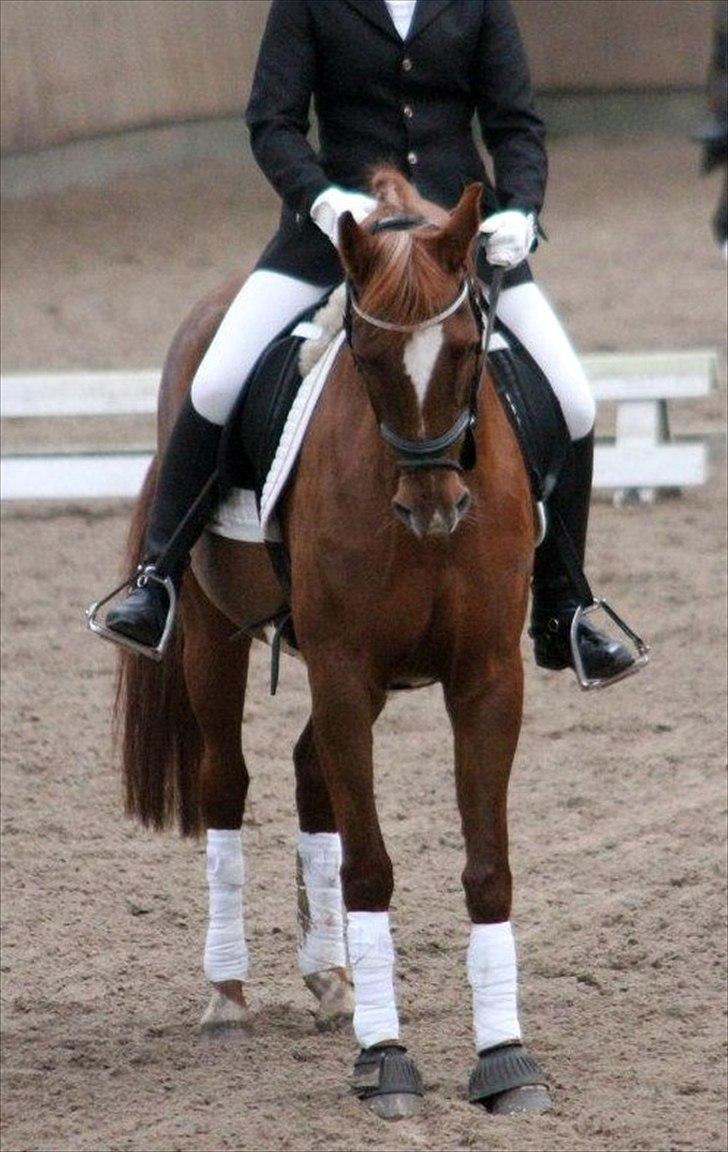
{"x": 425, "y": 12}
{"x": 376, "y": 12}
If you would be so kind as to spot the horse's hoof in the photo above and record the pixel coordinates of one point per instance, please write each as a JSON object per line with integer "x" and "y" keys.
{"x": 227, "y": 1008}
{"x": 388, "y": 1082}
{"x": 507, "y": 1081}
{"x": 531, "y": 1099}
{"x": 335, "y": 998}
{"x": 395, "y": 1106}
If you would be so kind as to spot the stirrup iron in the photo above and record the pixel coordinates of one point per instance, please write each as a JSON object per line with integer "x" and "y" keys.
{"x": 641, "y": 648}
{"x": 142, "y": 575}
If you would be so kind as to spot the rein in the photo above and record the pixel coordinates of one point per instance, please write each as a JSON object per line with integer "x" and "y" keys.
{"x": 424, "y": 455}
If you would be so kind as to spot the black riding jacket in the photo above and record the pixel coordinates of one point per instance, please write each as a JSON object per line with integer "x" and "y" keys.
{"x": 379, "y": 98}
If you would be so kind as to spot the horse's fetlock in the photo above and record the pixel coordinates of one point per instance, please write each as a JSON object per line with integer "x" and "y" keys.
{"x": 367, "y": 887}
{"x": 488, "y": 890}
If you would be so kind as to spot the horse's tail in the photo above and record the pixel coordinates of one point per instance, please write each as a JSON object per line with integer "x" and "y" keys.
{"x": 154, "y": 724}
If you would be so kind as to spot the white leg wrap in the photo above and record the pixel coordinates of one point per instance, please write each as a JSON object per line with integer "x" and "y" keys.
{"x": 492, "y": 974}
{"x": 226, "y": 953}
{"x": 320, "y": 913}
{"x": 371, "y": 955}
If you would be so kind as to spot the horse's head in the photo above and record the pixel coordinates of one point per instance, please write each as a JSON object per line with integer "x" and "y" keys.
{"x": 415, "y": 332}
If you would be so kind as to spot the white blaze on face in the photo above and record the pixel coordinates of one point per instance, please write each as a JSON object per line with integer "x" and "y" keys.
{"x": 420, "y": 356}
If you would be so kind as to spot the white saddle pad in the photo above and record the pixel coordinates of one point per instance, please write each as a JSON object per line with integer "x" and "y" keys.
{"x": 237, "y": 515}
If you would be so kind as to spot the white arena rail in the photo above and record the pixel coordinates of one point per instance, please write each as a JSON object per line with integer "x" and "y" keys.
{"x": 641, "y": 459}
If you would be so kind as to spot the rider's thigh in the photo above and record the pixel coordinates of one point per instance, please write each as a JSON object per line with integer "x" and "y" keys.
{"x": 265, "y": 304}
{"x": 526, "y": 311}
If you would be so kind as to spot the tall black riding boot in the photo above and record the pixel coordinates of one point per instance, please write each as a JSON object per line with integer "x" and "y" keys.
{"x": 186, "y": 468}
{"x": 555, "y": 599}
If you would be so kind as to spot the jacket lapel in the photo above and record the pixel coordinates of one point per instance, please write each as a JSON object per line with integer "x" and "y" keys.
{"x": 425, "y": 12}
{"x": 375, "y": 11}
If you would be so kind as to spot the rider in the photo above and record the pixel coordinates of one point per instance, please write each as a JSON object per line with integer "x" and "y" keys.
{"x": 398, "y": 81}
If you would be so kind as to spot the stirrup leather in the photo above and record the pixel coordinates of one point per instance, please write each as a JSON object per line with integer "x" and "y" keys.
{"x": 641, "y": 648}
{"x": 143, "y": 575}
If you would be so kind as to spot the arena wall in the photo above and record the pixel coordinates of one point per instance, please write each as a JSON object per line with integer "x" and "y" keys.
{"x": 74, "y": 69}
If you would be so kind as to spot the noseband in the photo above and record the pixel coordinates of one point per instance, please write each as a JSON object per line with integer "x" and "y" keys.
{"x": 422, "y": 455}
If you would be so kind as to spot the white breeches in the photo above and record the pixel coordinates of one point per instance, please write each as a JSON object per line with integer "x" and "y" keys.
{"x": 526, "y": 311}
{"x": 265, "y": 304}
{"x": 268, "y": 301}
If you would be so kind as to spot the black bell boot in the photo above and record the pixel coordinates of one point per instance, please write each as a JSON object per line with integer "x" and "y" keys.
{"x": 555, "y": 600}
{"x": 185, "y": 496}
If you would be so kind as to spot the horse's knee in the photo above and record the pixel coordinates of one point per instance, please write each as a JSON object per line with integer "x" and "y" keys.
{"x": 315, "y": 813}
{"x": 488, "y": 891}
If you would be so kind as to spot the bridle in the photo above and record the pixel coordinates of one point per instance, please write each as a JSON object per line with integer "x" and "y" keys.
{"x": 420, "y": 455}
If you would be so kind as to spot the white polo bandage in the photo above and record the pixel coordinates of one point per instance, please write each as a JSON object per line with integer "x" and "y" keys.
{"x": 320, "y": 913}
{"x": 492, "y": 974}
{"x": 371, "y": 956}
{"x": 226, "y": 953}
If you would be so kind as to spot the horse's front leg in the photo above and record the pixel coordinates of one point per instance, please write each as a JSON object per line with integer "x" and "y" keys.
{"x": 486, "y": 724}
{"x": 345, "y": 705}
{"x": 321, "y": 946}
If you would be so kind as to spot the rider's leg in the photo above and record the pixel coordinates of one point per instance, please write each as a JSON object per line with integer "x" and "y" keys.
{"x": 266, "y": 303}
{"x": 525, "y": 310}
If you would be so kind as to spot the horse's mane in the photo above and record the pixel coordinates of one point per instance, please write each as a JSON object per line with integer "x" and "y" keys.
{"x": 407, "y": 283}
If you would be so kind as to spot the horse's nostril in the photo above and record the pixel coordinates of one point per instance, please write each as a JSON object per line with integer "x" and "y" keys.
{"x": 463, "y": 503}
{"x": 403, "y": 512}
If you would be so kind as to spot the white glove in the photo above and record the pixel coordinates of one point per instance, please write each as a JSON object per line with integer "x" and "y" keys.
{"x": 330, "y": 204}
{"x": 509, "y": 237}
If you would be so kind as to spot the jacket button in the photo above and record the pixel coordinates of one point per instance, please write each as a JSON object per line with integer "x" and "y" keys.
{"x": 408, "y": 111}
{"x": 411, "y": 159}
{"x": 407, "y": 64}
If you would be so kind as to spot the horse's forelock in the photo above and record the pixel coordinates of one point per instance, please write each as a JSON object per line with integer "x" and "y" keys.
{"x": 406, "y": 283}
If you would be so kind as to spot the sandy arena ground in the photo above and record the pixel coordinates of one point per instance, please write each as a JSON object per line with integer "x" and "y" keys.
{"x": 618, "y": 800}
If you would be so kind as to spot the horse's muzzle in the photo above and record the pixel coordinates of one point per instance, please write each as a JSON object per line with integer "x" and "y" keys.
{"x": 434, "y": 508}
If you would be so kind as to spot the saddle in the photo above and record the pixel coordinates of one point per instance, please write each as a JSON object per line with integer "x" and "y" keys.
{"x": 255, "y": 425}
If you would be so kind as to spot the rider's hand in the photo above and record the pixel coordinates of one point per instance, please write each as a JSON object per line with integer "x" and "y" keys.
{"x": 509, "y": 237}
{"x": 332, "y": 202}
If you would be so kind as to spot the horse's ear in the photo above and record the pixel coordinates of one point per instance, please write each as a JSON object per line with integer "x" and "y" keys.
{"x": 451, "y": 245}
{"x": 357, "y": 249}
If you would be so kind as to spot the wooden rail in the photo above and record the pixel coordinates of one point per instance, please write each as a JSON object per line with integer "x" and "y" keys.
{"x": 641, "y": 458}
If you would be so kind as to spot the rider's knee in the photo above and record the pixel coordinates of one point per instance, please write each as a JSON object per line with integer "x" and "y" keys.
{"x": 213, "y": 394}
{"x": 581, "y": 410}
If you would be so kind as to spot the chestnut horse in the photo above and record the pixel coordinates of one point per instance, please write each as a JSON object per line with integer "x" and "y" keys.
{"x": 410, "y": 529}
